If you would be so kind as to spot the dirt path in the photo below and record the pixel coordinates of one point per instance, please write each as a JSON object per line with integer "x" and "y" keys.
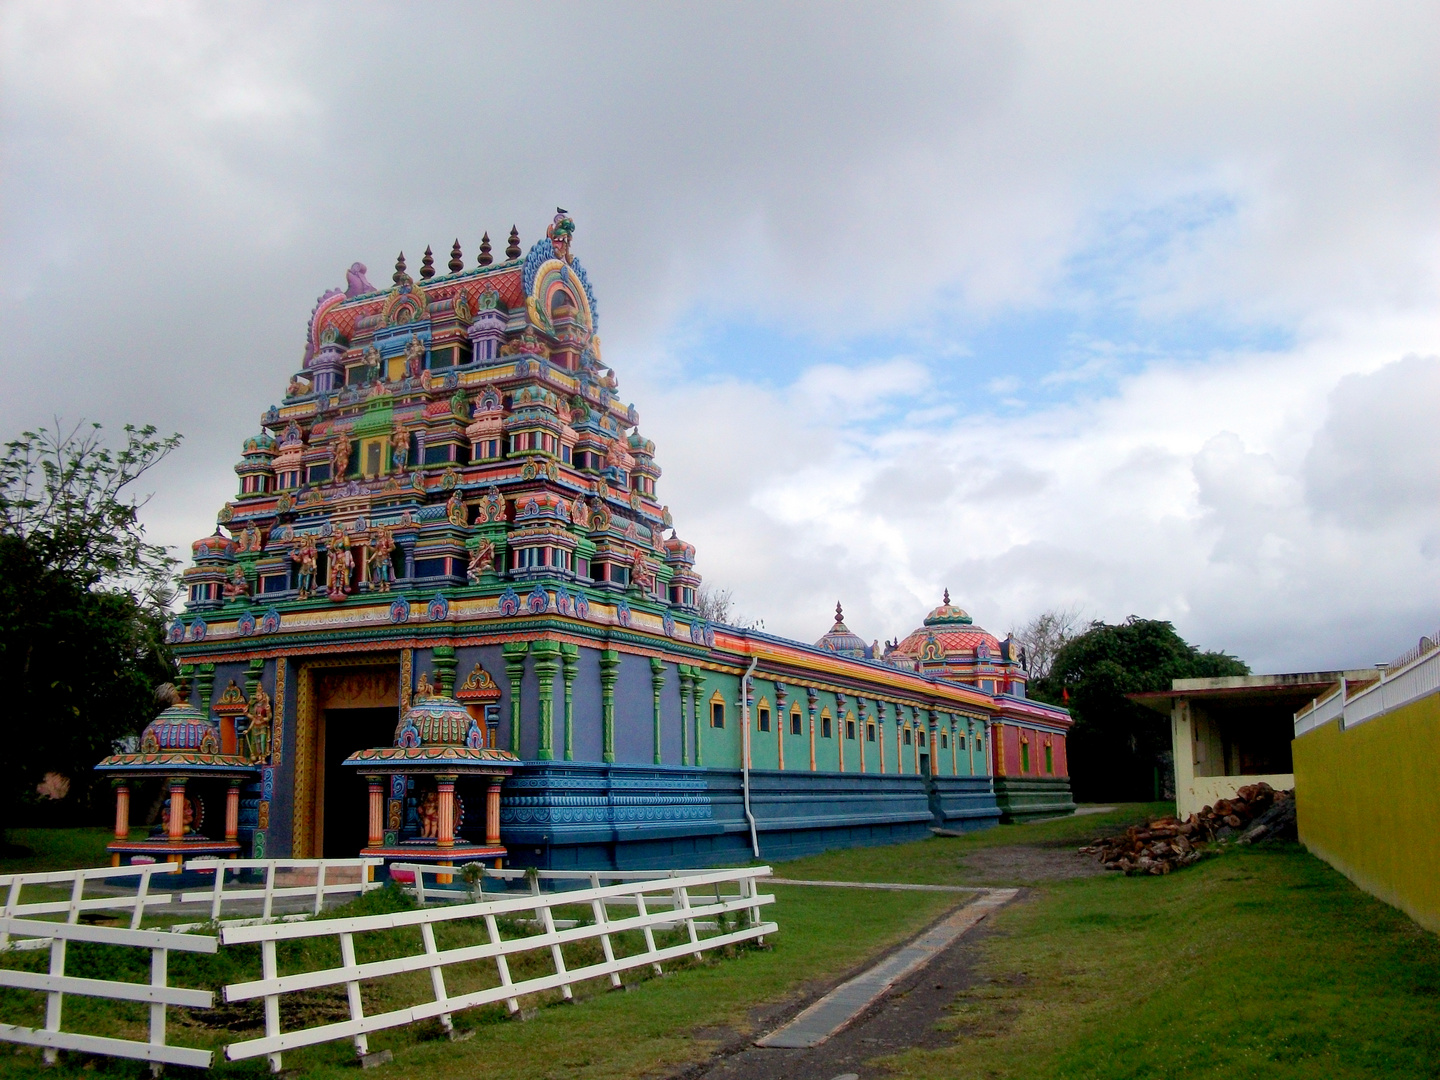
{"x": 911, "y": 1012}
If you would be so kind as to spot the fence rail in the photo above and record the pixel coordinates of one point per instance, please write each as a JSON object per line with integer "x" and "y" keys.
{"x": 56, "y": 984}
{"x": 1418, "y": 677}
{"x": 659, "y": 901}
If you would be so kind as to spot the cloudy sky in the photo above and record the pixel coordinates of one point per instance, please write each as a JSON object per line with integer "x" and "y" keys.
{"x": 1125, "y": 307}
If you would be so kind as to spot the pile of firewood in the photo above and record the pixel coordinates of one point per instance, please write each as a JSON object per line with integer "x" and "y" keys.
{"x": 1257, "y": 812}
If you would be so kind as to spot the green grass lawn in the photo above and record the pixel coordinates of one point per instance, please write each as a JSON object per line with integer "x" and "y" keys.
{"x": 1258, "y": 962}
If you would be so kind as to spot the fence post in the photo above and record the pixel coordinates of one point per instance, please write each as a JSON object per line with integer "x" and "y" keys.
{"x": 320, "y": 887}
{"x": 437, "y": 976}
{"x": 649, "y": 934}
{"x": 269, "y": 969}
{"x": 159, "y": 963}
{"x": 501, "y": 963}
{"x": 269, "y": 906}
{"x": 352, "y": 988}
{"x": 682, "y": 900}
{"x": 602, "y": 920}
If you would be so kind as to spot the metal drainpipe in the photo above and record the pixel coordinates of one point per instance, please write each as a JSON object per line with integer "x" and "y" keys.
{"x": 745, "y": 750}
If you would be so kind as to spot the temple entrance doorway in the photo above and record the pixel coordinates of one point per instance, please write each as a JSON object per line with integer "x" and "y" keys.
{"x": 345, "y": 705}
{"x": 343, "y": 827}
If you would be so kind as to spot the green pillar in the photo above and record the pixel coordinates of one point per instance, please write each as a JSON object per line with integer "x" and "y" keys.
{"x": 442, "y": 659}
{"x": 695, "y": 701}
{"x": 609, "y": 672}
{"x": 515, "y": 670}
{"x": 252, "y": 679}
{"x": 205, "y": 683}
{"x": 570, "y": 658}
{"x": 687, "y": 690}
{"x": 657, "y": 682}
{"x": 547, "y": 663}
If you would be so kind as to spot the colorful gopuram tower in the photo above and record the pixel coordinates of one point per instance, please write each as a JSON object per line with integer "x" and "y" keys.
{"x": 452, "y": 504}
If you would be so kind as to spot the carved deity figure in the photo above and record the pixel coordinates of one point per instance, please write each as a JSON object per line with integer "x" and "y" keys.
{"x": 255, "y": 742}
{"x": 482, "y": 561}
{"x": 382, "y": 570}
{"x": 399, "y": 445}
{"x": 307, "y": 558}
{"x": 560, "y": 232}
{"x": 340, "y": 458}
{"x": 641, "y": 575}
{"x": 429, "y": 812}
{"x": 455, "y": 510}
{"x": 237, "y": 588}
{"x": 414, "y": 357}
{"x": 298, "y": 387}
{"x": 342, "y": 562}
{"x": 356, "y": 283}
{"x": 250, "y": 539}
{"x": 423, "y": 687}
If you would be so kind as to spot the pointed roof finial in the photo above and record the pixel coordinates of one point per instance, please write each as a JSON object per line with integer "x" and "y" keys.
{"x": 839, "y": 612}
{"x": 947, "y": 597}
{"x": 485, "y": 257}
{"x": 427, "y": 264}
{"x": 456, "y": 263}
{"x": 512, "y": 249}
{"x": 399, "y": 276}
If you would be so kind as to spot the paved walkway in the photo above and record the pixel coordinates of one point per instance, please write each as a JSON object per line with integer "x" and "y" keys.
{"x": 848, "y": 1000}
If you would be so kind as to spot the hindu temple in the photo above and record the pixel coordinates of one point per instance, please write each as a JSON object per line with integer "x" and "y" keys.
{"x": 450, "y": 617}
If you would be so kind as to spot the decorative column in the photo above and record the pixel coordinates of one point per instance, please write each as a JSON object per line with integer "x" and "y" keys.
{"x": 445, "y": 825}
{"x": 547, "y": 663}
{"x": 954, "y": 750}
{"x": 841, "y": 730}
{"x": 492, "y": 813}
{"x": 205, "y": 683}
{"x": 122, "y": 811}
{"x": 570, "y": 659}
{"x": 811, "y": 698}
{"x": 442, "y": 660}
{"x": 609, "y": 672}
{"x": 514, "y": 652}
{"x": 880, "y": 733}
{"x": 860, "y": 729}
{"x": 122, "y": 817}
{"x": 657, "y": 683}
{"x": 782, "y": 721}
{"x": 899, "y": 740}
{"x": 687, "y": 689}
{"x": 176, "y": 826}
{"x": 934, "y": 727}
{"x": 376, "y": 807}
{"x": 997, "y": 750}
{"x": 695, "y": 704}
{"x": 232, "y": 811}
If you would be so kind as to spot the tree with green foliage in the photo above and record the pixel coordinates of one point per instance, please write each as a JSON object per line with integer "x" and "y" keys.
{"x": 1117, "y": 746}
{"x": 83, "y": 602}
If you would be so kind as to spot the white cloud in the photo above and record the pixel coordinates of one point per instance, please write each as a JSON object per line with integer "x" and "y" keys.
{"x": 179, "y": 181}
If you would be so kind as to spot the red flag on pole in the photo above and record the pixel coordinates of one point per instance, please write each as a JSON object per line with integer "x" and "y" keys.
{"x": 1065, "y": 694}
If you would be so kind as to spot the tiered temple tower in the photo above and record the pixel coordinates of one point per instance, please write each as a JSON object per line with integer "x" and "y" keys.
{"x": 452, "y": 501}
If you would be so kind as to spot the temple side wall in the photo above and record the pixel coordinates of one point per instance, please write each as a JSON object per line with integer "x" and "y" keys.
{"x": 1368, "y": 799}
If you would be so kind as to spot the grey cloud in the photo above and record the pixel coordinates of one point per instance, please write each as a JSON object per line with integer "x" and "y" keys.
{"x": 1376, "y": 460}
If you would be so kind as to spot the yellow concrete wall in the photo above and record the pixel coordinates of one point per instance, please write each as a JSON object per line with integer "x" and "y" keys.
{"x": 1369, "y": 804}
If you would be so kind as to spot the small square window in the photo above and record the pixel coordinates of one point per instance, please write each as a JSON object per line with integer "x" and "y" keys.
{"x": 795, "y": 723}
{"x": 763, "y": 719}
{"x": 907, "y": 736}
{"x": 870, "y": 733}
{"x": 849, "y": 729}
{"x": 717, "y": 714}
{"x": 825, "y": 727}
{"x": 944, "y": 741}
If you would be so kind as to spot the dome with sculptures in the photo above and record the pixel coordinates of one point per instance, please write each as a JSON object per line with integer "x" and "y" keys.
{"x": 949, "y": 644}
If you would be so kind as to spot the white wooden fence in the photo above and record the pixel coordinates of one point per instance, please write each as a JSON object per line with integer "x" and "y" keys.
{"x": 658, "y": 902}
{"x": 130, "y": 891}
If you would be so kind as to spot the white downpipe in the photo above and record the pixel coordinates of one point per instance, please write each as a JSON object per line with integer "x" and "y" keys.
{"x": 745, "y": 750}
